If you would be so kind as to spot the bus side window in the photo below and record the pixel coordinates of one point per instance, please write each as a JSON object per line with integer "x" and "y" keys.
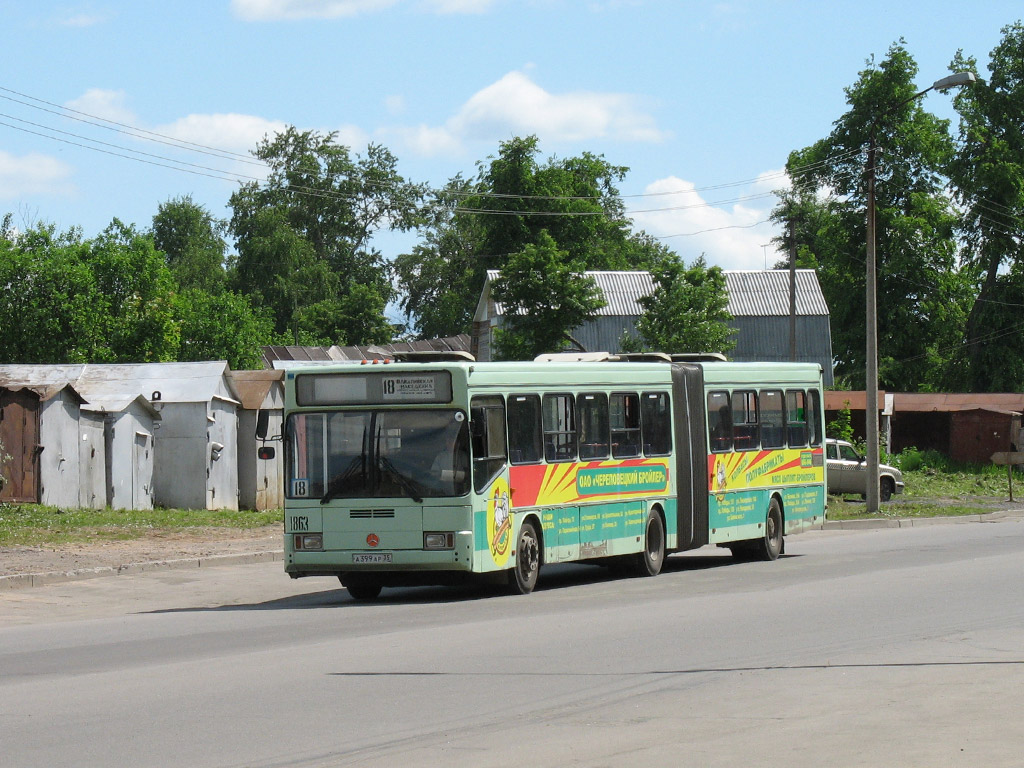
{"x": 814, "y": 417}
{"x": 559, "y": 428}
{"x": 719, "y": 421}
{"x": 656, "y": 423}
{"x": 624, "y": 413}
{"x": 487, "y": 427}
{"x": 744, "y": 421}
{"x": 773, "y": 419}
{"x": 796, "y": 418}
{"x": 592, "y": 417}
{"x": 524, "y": 443}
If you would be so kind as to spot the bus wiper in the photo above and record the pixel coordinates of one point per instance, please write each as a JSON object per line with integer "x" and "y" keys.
{"x": 408, "y": 484}
{"x": 343, "y": 481}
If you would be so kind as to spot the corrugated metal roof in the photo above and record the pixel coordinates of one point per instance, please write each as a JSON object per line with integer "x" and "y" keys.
{"x": 290, "y": 355}
{"x": 757, "y": 293}
{"x": 766, "y": 292}
{"x": 45, "y": 380}
{"x": 102, "y": 382}
{"x": 176, "y": 382}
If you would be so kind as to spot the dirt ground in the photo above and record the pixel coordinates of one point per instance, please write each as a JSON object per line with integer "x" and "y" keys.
{"x": 156, "y": 547}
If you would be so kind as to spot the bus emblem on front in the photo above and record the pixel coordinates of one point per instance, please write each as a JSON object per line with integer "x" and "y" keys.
{"x": 373, "y": 540}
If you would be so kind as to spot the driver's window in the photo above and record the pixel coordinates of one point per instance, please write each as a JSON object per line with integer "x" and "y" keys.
{"x": 849, "y": 453}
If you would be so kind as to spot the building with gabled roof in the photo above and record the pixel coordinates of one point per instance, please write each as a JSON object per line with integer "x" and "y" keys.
{"x": 758, "y": 300}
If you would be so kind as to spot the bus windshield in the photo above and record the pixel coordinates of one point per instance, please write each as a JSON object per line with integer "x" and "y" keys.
{"x": 413, "y": 454}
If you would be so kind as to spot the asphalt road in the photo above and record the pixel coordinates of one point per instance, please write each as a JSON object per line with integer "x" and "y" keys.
{"x": 895, "y": 647}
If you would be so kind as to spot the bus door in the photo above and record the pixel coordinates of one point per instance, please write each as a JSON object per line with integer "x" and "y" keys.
{"x": 493, "y": 516}
{"x": 691, "y": 455}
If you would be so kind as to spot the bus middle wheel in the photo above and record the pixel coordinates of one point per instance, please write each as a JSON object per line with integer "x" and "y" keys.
{"x": 650, "y": 560}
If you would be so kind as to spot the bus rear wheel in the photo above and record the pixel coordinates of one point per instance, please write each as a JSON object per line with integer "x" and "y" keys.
{"x": 523, "y": 577}
{"x": 649, "y": 562}
{"x": 769, "y": 547}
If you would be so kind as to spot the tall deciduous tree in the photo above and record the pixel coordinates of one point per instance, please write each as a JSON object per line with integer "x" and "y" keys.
{"x": 514, "y": 202}
{"x": 685, "y": 313}
{"x": 988, "y": 180}
{"x": 304, "y": 235}
{"x": 921, "y": 296}
{"x": 193, "y": 242}
{"x": 544, "y": 295}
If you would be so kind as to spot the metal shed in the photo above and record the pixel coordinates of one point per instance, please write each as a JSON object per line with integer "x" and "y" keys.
{"x": 260, "y": 481}
{"x": 41, "y": 429}
{"x": 758, "y": 302}
{"x": 128, "y": 427}
{"x": 196, "y": 446}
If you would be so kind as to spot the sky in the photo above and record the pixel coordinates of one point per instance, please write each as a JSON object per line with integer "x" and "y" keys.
{"x": 109, "y": 108}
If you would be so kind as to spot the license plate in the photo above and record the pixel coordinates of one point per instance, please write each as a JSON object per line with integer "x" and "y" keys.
{"x": 372, "y": 558}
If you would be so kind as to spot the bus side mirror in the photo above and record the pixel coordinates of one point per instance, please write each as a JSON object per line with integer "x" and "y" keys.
{"x": 265, "y": 452}
{"x": 262, "y": 424}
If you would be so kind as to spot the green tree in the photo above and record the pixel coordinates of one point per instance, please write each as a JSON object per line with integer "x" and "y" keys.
{"x": 685, "y": 313}
{"x": 193, "y": 242}
{"x": 440, "y": 279}
{"x": 221, "y": 326}
{"x": 921, "y": 295}
{"x": 516, "y": 201}
{"x": 988, "y": 181}
{"x": 304, "y": 235}
{"x": 544, "y": 296}
{"x": 69, "y": 300}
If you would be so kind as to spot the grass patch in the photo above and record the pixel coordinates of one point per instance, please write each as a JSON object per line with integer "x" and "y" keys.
{"x": 35, "y": 524}
{"x": 842, "y": 509}
{"x": 936, "y": 487}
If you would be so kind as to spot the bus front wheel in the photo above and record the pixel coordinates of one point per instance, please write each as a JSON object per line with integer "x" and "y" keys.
{"x": 769, "y": 547}
{"x": 649, "y": 562}
{"x": 523, "y": 578}
{"x": 363, "y": 590}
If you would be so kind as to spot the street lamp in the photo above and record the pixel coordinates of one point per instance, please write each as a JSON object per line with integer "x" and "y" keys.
{"x": 871, "y": 386}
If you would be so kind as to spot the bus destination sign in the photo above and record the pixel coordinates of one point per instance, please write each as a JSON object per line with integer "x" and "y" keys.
{"x": 373, "y": 388}
{"x": 408, "y": 389}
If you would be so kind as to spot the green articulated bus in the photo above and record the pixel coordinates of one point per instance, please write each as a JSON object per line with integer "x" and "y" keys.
{"x": 436, "y": 469}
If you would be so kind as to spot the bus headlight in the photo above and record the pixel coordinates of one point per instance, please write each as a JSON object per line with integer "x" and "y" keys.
{"x": 439, "y": 540}
{"x": 309, "y": 541}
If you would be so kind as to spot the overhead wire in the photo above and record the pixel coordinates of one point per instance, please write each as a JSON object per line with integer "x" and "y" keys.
{"x": 182, "y": 144}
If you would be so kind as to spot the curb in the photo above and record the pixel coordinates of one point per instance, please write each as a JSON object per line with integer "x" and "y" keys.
{"x": 28, "y": 580}
{"x": 900, "y": 522}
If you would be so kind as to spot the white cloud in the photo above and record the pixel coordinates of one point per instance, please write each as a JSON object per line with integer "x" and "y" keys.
{"x": 458, "y": 6}
{"x": 518, "y": 104}
{"x": 99, "y": 102}
{"x": 353, "y": 137}
{"x": 732, "y": 233}
{"x": 427, "y": 141}
{"x": 288, "y": 10}
{"x": 230, "y": 132}
{"x": 32, "y": 174}
{"x": 274, "y": 10}
{"x": 80, "y": 20}
{"x": 515, "y": 105}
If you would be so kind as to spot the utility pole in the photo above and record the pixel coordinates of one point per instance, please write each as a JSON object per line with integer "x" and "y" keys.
{"x": 792, "y": 292}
